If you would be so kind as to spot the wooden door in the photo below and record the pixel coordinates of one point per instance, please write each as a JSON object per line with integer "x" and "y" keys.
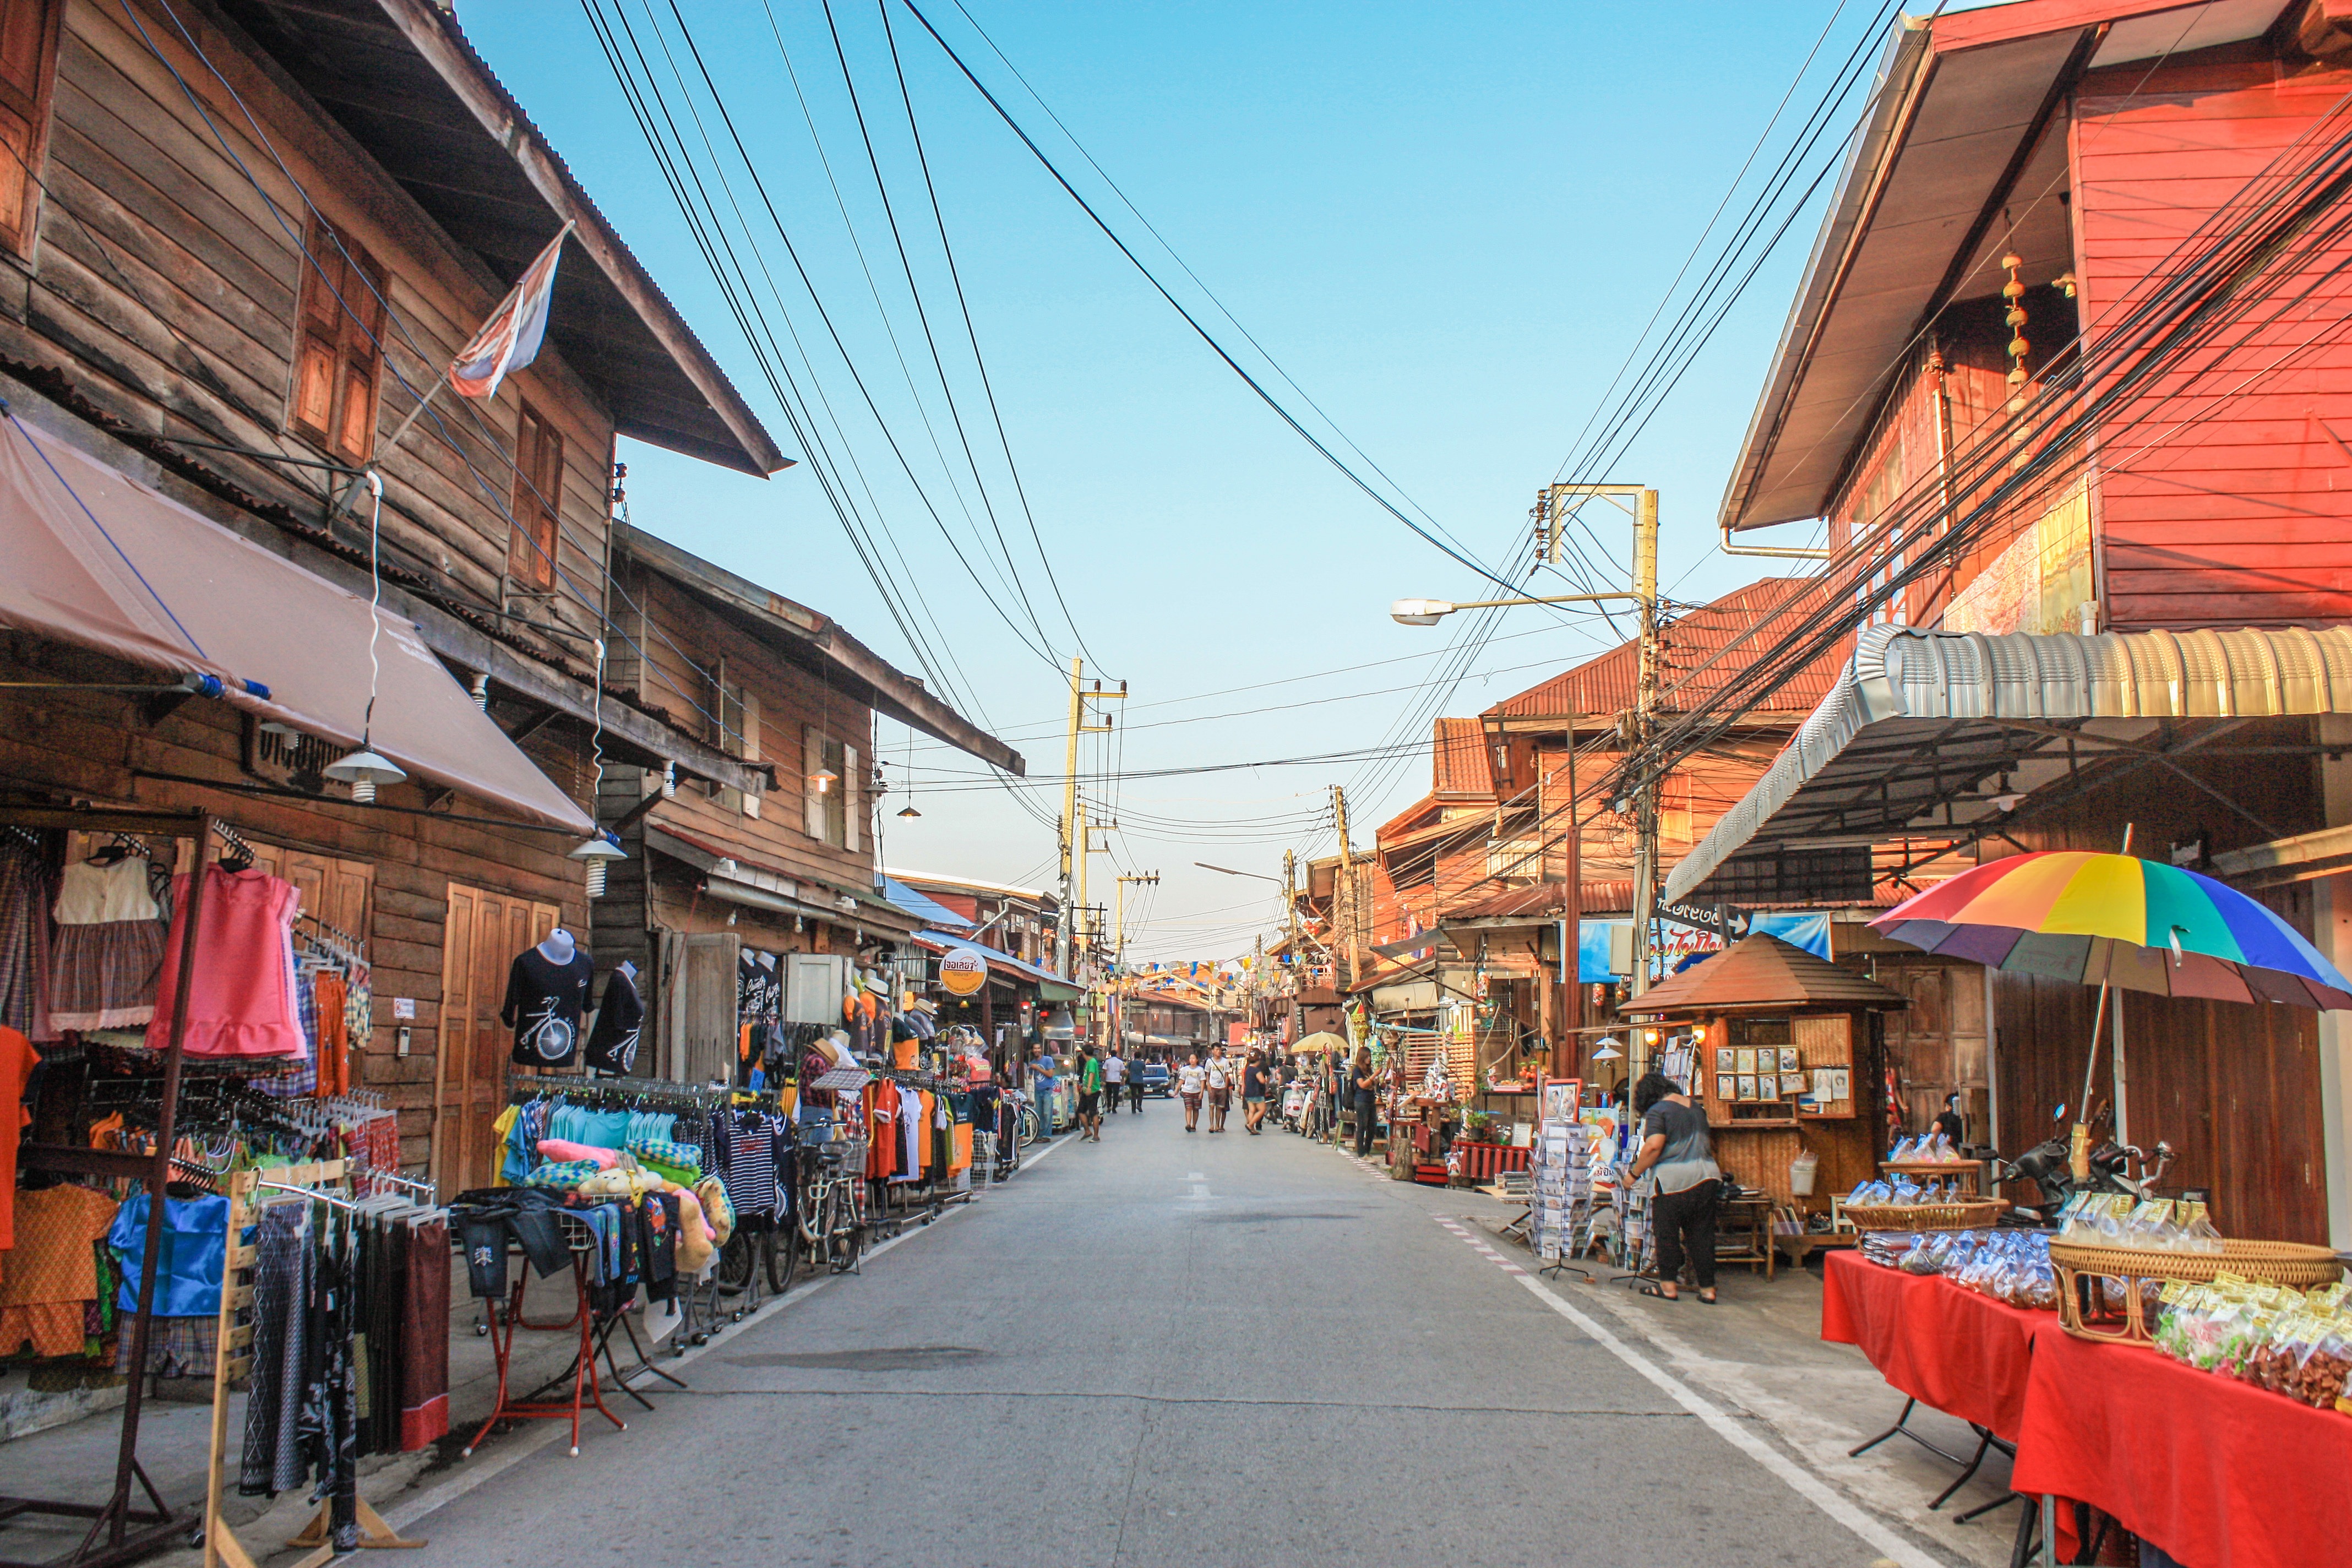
{"x": 480, "y": 938}
{"x": 1938, "y": 1046}
{"x": 706, "y": 1042}
{"x": 336, "y": 891}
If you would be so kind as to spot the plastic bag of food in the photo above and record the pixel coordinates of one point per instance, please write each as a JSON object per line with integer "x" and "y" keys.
{"x": 2196, "y": 1225}
{"x": 2320, "y": 1372}
{"x": 2150, "y": 1226}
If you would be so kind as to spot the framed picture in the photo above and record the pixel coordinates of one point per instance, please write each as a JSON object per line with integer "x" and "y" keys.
{"x": 1788, "y": 1059}
{"x": 1747, "y": 1086}
{"x": 1726, "y": 1060}
{"x": 1792, "y": 1084}
{"x": 1747, "y": 1062}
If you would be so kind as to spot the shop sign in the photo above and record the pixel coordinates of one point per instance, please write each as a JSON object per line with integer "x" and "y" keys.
{"x": 962, "y": 971}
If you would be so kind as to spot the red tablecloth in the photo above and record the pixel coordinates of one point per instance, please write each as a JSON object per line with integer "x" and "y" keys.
{"x": 1964, "y": 1354}
{"x": 2220, "y": 1474}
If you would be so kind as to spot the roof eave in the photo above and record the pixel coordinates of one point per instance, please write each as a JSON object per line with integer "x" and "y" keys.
{"x": 1902, "y": 75}
{"x": 892, "y": 691}
{"x": 437, "y": 40}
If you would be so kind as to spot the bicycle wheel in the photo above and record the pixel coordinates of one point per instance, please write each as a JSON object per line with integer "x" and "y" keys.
{"x": 844, "y": 1237}
{"x": 737, "y": 1260}
{"x": 782, "y": 1256}
{"x": 1027, "y": 1129}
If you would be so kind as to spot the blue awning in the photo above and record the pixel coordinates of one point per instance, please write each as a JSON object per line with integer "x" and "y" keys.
{"x": 1056, "y": 988}
{"x": 929, "y": 911}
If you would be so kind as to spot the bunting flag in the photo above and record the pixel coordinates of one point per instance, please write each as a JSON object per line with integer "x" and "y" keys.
{"x": 510, "y": 340}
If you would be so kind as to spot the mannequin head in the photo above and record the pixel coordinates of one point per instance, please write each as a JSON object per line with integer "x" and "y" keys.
{"x": 557, "y": 948}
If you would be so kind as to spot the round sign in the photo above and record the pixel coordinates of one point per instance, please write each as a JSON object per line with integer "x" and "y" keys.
{"x": 962, "y": 971}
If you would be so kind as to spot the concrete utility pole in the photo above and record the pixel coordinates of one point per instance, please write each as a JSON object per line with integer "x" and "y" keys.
{"x": 1072, "y": 837}
{"x": 1637, "y": 726}
{"x": 1141, "y": 879}
{"x": 1343, "y": 887}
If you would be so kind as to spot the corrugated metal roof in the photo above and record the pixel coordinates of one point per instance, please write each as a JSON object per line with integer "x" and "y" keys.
{"x": 1916, "y": 725}
{"x": 1606, "y": 685}
{"x": 1458, "y": 759}
{"x": 1547, "y": 900}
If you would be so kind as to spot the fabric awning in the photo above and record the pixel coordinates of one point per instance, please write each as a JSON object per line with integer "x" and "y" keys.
{"x": 90, "y": 556}
{"x": 1936, "y": 734}
{"x": 926, "y": 910}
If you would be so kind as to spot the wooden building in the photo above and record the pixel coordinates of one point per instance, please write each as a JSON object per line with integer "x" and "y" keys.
{"x": 238, "y": 243}
{"x": 731, "y": 893}
{"x": 2073, "y": 163}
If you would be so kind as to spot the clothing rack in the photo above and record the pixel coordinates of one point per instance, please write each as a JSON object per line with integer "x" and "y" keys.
{"x": 232, "y": 1359}
{"x": 659, "y": 1094}
{"x": 354, "y": 949}
{"x": 121, "y": 1531}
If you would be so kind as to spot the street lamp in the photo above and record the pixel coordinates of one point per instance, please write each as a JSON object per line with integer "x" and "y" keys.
{"x": 1429, "y": 612}
{"x": 1230, "y": 872}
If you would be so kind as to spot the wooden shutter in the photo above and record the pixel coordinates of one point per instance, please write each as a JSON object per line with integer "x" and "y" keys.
{"x": 337, "y": 360}
{"x": 853, "y": 798}
{"x": 28, "y": 71}
{"x": 749, "y": 744}
{"x": 811, "y": 803}
{"x": 537, "y": 498}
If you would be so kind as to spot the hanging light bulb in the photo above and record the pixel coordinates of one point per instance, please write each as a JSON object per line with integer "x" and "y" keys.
{"x": 598, "y": 850}
{"x": 824, "y": 778}
{"x": 908, "y": 810}
{"x": 363, "y": 770}
{"x": 481, "y": 692}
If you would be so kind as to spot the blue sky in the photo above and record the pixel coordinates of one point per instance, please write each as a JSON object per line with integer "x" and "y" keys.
{"x": 1447, "y": 222}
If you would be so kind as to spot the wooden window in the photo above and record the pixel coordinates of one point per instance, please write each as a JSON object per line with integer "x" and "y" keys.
{"x": 735, "y": 730}
{"x": 338, "y": 361}
{"x": 28, "y": 72}
{"x": 826, "y": 815}
{"x": 538, "y": 496}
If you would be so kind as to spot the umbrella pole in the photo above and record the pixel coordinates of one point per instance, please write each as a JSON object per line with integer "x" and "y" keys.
{"x": 2078, "y": 1153}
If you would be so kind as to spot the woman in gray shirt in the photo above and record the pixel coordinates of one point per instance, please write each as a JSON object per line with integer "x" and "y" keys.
{"x": 1674, "y": 1142}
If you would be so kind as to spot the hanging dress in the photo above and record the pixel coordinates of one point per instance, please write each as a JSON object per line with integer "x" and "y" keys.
{"x": 241, "y": 1001}
{"x": 108, "y": 947}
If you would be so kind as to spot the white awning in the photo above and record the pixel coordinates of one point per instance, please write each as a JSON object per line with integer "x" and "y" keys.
{"x": 93, "y": 557}
{"x": 1935, "y": 733}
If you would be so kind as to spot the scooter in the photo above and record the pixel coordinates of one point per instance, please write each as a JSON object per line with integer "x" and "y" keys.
{"x": 1295, "y": 1101}
{"x": 2049, "y": 1166}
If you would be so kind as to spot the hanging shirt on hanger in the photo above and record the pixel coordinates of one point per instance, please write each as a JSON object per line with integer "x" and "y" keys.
{"x": 612, "y": 1043}
{"x": 241, "y": 1001}
{"x": 543, "y": 1005}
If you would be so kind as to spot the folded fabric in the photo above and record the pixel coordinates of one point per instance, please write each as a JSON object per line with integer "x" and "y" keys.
{"x": 564, "y": 1149}
{"x": 563, "y": 1174}
{"x": 683, "y": 1176}
{"x": 667, "y": 1151}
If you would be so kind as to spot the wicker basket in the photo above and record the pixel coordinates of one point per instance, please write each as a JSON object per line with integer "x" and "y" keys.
{"x": 1971, "y": 1214}
{"x": 2081, "y": 1264}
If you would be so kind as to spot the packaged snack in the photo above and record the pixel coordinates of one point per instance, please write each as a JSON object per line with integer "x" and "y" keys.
{"x": 2197, "y": 1231}
{"x": 2320, "y": 1373}
{"x": 2150, "y": 1224}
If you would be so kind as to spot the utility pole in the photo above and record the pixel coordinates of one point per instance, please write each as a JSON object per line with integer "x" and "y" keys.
{"x": 1636, "y": 727}
{"x": 1072, "y": 836}
{"x": 1141, "y": 879}
{"x": 1343, "y": 887}
{"x": 1645, "y": 715}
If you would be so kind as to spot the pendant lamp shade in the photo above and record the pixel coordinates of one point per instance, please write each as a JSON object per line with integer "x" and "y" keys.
{"x": 597, "y": 852}
{"x": 363, "y": 771}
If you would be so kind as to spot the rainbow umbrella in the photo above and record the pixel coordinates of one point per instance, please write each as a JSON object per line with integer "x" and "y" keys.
{"x": 2117, "y": 919}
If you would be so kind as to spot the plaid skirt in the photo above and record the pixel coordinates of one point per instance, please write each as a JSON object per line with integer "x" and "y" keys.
{"x": 103, "y": 976}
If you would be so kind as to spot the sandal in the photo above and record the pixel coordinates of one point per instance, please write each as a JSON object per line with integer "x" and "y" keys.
{"x": 1706, "y": 1298}
{"x": 1650, "y": 1288}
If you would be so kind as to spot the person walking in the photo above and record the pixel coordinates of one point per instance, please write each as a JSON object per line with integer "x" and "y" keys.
{"x": 1090, "y": 1083}
{"x": 1114, "y": 1070}
{"x": 1367, "y": 1085}
{"x": 1681, "y": 1212}
{"x": 1135, "y": 1088}
{"x": 1041, "y": 1088}
{"x": 1253, "y": 1086}
{"x": 1191, "y": 1078}
{"x": 1221, "y": 1088}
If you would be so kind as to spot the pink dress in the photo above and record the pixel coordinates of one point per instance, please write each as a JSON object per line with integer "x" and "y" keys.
{"x": 241, "y": 999}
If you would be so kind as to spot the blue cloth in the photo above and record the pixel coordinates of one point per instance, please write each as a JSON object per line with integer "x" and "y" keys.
{"x": 603, "y": 1129}
{"x": 188, "y": 1267}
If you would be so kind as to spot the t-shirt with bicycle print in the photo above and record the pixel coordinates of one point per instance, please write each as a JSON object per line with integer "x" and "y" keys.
{"x": 543, "y": 1005}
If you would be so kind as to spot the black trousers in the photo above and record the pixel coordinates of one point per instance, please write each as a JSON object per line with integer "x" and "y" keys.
{"x": 1685, "y": 1222}
{"x": 1366, "y": 1112}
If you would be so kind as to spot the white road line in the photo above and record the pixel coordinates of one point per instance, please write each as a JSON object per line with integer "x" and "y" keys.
{"x": 1887, "y": 1542}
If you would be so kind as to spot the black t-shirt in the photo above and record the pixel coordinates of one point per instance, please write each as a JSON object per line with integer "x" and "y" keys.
{"x": 1253, "y": 1082}
{"x": 1949, "y": 1125}
{"x": 612, "y": 1043}
{"x": 543, "y": 1006}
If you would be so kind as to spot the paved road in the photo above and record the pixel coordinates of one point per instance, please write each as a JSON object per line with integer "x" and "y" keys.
{"x": 1161, "y": 1349}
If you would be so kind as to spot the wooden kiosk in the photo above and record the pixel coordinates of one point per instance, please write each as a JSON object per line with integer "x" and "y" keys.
{"x": 1784, "y": 1054}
